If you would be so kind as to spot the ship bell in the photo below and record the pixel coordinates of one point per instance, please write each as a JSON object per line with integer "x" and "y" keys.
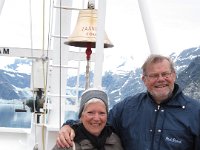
{"x": 84, "y": 34}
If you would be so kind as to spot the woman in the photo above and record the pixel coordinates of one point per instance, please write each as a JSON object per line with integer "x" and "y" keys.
{"x": 92, "y": 133}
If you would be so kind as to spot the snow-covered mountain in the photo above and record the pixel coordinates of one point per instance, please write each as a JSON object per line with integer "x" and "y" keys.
{"x": 15, "y": 80}
{"x": 123, "y": 81}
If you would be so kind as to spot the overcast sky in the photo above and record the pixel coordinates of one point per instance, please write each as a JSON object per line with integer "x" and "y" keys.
{"x": 174, "y": 25}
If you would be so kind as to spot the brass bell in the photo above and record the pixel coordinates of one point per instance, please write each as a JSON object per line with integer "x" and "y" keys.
{"x": 84, "y": 33}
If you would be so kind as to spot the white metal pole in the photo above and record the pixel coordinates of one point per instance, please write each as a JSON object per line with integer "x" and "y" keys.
{"x": 148, "y": 25}
{"x": 1, "y": 5}
{"x": 99, "y": 54}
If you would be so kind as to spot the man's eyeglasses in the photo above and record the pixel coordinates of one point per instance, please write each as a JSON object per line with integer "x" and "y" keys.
{"x": 155, "y": 76}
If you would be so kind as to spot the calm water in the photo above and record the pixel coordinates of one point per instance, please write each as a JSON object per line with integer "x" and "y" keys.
{"x": 10, "y": 118}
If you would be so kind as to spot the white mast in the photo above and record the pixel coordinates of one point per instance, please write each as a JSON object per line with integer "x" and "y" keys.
{"x": 148, "y": 25}
{"x": 99, "y": 55}
{"x": 1, "y": 5}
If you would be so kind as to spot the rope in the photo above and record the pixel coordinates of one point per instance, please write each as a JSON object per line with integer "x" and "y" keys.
{"x": 43, "y": 117}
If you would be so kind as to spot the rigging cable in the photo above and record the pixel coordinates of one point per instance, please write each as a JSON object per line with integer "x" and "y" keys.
{"x": 60, "y": 65}
{"x": 31, "y": 46}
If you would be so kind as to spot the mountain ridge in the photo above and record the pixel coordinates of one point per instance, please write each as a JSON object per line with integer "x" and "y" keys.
{"x": 118, "y": 85}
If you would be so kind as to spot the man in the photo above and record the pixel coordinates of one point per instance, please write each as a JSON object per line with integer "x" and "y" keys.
{"x": 162, "y": 118}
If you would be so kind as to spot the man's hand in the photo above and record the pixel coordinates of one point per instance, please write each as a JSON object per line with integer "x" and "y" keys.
{"x": 65, "y": 137}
